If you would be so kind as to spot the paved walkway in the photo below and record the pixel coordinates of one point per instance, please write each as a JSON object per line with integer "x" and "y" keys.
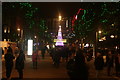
{"x": 47, "y": 70}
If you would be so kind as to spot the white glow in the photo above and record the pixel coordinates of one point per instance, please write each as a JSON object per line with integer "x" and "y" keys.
{"x": 60, "y": 30}
{"x": 100, "y": 32}
{"x": 53, "y": 46}
{"x": 80, "y": 45}
{"x": 59, "y": 26}
{"x": 48, "y": 46}
{"x": 100, "y": 40}
{"x": 76, "y": 17}
{"x": 30, "y": 47}
{"x": 60, "y": 17}
{"x": 35, "y": 36}
{"x": 5, "y": 31}
{"x": 4, "y": 39}
{"x": 87, "y": 45}
{"x": 112, "y": 24}
{"x": 112, "y": 36}
{"x": 18, "y": 29}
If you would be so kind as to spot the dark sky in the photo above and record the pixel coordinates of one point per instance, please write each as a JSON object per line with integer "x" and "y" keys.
{"x": 52, "y": 9}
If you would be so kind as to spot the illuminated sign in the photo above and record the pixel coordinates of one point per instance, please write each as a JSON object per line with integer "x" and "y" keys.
{"x": 60, "y": 40}
{"x": 30, "y": 47}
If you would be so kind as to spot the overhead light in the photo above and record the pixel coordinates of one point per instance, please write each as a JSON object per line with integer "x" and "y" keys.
{"x": 112, "y": 36}
{"x": 35, "y": 36}
{"x": 100, "y": 40}
{"x": 5, "y": 30}
{"x": 99, "y": 31}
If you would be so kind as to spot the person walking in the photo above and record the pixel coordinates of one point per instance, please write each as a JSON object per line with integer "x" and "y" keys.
{"x": 19, "y": 65}
{"x": 117, "y": 63}
{"x": 35, "y": 58}
{"x": 43, "y": 51}
{"x": 57, "y": 56}
{"x": 99, "y": 64}
{"x": 9, "y": 62}
{"x": 109, "y": 62}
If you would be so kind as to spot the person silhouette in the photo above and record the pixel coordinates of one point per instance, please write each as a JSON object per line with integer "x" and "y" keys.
{"x": 9, "y": 62}
{"x": 19, "y": 65}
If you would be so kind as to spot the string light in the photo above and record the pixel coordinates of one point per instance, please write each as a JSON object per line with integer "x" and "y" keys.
{"x": 84, "y": 23}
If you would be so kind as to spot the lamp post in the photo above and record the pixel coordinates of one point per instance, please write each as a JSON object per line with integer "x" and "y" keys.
{"x": 18, "y": 31}
{"x": 21, "y": 37}
{"x": 96, "y": 42}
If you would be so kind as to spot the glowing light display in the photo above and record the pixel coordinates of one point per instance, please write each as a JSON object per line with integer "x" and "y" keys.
{"x": 59, "y": 41}
{"x": 30, "y": 47}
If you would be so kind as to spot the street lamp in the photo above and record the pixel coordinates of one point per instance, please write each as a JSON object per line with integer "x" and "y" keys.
{"x": 60, "y": 17}
{"x": 99, "y": 32}
{"x": 113, "y": 24}
{"x": 18, "y": 29}
{"x": 112, "y": 36}
{"x": 96, "y": 41}
{"x": 35, "y": 36}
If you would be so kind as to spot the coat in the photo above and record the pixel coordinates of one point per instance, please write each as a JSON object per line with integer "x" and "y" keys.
{"x": 109, "y": 60}
{"x": 99, "y": 63}
{"x": 77, "y": 69}
{"x": 20, "y": 61}
{"x": 9, "y": 60}
{"x": 117, "y": 63}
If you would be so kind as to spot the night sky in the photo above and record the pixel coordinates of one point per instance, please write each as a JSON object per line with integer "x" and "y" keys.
{"x": 52, "y": 9}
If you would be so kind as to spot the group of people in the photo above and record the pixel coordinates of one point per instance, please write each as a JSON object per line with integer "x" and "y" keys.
{"x": 112, "y": 60}
{"x": 74, "y": 57}
{"x": 9, "y": 62}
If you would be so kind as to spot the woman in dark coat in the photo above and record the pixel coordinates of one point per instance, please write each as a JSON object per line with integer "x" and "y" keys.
{"x": 99, "y": 63}
{"x": 9, "y": 62}
{"x": 19, "y": 65}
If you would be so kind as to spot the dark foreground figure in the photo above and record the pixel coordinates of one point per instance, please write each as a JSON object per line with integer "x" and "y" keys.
{"x": 9, "y": 62}
{"x": 77, "y": 69}
{"x": 19, "y": 65}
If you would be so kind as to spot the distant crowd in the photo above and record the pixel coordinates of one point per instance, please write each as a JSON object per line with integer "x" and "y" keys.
{"x": 73, "y": 55}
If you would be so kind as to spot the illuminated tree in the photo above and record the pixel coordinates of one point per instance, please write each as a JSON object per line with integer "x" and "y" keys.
{"x": 59, "y": 38}
{"x": 92, "y": 18}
